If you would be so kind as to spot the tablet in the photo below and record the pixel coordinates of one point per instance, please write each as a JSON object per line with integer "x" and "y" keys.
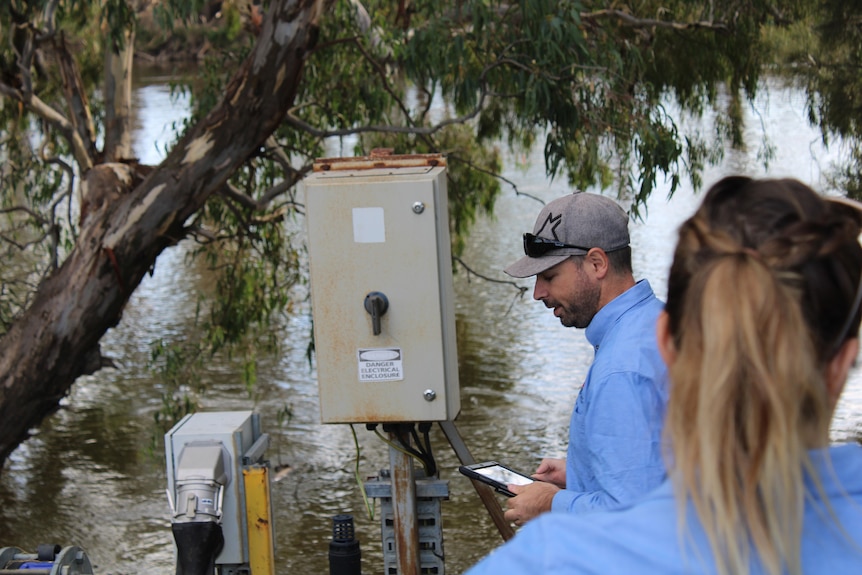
{"x": 496, "y": 475}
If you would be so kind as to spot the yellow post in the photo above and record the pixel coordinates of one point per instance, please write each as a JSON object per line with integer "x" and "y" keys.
{"x": 259, "y": 519}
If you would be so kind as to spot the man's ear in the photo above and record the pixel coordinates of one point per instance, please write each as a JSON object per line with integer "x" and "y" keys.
{"x": 597, "y": 261}
{"x": 666, "y": 347}
{"x": 838, "y": 369}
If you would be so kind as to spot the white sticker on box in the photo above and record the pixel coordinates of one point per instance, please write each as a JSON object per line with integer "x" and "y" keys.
{"x": 368, "y": 226}
{"x": 380, "y": 364}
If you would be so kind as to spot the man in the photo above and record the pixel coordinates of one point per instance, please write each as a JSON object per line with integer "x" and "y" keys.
{"x": 579, "y": 252}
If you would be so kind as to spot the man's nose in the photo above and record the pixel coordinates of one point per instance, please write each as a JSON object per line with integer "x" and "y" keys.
{"x": 540, "y": 290}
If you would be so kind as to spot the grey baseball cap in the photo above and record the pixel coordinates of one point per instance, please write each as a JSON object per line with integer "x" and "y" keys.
{"x": 581, "y": 221}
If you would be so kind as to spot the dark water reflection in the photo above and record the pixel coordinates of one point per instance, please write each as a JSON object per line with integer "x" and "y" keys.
{"x": 92, "y": 477}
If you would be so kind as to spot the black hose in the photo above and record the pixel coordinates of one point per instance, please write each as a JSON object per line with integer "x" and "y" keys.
{"x": 198, "y": 544}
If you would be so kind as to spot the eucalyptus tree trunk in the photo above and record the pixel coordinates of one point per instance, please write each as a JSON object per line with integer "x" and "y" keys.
{"x": 118, "y": 99}
{"x": 57, "y": 339}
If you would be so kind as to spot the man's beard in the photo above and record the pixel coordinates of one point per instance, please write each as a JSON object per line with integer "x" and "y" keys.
{"x": 586, "y": 305}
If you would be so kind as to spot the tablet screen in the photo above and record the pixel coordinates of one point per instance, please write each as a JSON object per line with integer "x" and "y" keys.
{"x": 503, "y": 475}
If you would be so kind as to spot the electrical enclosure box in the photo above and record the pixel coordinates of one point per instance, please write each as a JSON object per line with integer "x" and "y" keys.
{"x": 236, "y": 431}
{"x": 381, "y": 289}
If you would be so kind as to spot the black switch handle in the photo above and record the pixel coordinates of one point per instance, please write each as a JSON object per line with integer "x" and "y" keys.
{"x": 376, "y": 304}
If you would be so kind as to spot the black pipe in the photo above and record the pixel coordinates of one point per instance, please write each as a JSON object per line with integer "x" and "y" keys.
{"x": 344, "y": 553}
{"x": 198, "y": 544}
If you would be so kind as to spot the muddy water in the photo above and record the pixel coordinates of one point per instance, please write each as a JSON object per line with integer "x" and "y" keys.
{"x": 93, "y": 476}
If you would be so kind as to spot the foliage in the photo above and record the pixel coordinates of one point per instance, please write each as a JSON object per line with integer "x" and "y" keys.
{"x": 834, "y": 84}
{"x": 36, "y": 178}
{"x": 598, "y": 85}
{"x": 593, "y": 82}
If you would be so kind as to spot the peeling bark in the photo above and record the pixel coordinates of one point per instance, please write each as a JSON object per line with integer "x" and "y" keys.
{"x": 79, "y": 106}
{"x": 56, "y": 340}
{"x": 118, "y": 100}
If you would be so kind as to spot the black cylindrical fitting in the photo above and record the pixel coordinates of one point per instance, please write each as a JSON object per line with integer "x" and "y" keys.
{"x": 344, "y": 553}
{"x": 198, "y": 544}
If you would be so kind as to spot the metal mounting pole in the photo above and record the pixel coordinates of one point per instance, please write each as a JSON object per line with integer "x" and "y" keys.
{"x": 486, "y": 494}
{"x": 404, "y": 510}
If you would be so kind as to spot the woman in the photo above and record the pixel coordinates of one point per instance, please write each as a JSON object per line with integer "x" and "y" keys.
{"x": 759, "y": 333}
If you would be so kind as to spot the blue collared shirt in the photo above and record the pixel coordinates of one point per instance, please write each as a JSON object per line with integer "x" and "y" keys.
{"x": 645, "y": 538}
{"x": 615, "y": 451}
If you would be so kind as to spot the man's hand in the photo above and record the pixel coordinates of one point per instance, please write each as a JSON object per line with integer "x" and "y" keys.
{"x": 530, "y": 501}
{"x": 552, "y": 471}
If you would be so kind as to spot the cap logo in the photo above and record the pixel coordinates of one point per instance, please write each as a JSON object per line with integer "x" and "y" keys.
{"x": 555, "y": 223}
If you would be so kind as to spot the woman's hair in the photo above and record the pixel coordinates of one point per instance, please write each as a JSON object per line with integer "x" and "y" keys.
{"x": 764, "y": 277}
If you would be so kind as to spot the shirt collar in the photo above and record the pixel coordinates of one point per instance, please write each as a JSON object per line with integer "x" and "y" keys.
{"x": 610, "y": 313}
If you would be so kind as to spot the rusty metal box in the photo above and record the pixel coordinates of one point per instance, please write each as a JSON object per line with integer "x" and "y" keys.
{"x": 381, "y": 290}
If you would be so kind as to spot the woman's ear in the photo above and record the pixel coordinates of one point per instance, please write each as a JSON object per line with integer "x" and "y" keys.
{"x": 665, "y": 339}
{"x": 839, "y": 368}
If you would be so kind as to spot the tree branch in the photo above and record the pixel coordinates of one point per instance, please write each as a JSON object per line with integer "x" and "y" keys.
{"x": 86, "y": 296}
{"x": 634, "y": 22}
{"x": 521, "y": 289}
{"x": 457, "y": 158}
{"x": 76, "y": 97}
{"x": 52, "y": 116}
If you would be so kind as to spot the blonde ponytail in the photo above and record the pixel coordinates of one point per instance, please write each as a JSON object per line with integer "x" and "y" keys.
{"x": 738, "y": 435}
{"x": 764, "y": 277}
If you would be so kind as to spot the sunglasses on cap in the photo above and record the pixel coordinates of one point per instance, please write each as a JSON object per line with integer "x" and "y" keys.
{"x": 536, "y": 247}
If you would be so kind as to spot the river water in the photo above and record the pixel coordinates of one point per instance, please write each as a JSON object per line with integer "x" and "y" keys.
{"x": 93, "y": 476}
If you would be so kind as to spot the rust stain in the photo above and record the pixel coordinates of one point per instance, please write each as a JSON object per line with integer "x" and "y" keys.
{"x": 379, "y": 159}
{"x": 404, "y": 507}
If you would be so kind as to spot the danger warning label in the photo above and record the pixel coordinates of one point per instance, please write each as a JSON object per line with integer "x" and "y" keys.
{"x": 380, "y": 364}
